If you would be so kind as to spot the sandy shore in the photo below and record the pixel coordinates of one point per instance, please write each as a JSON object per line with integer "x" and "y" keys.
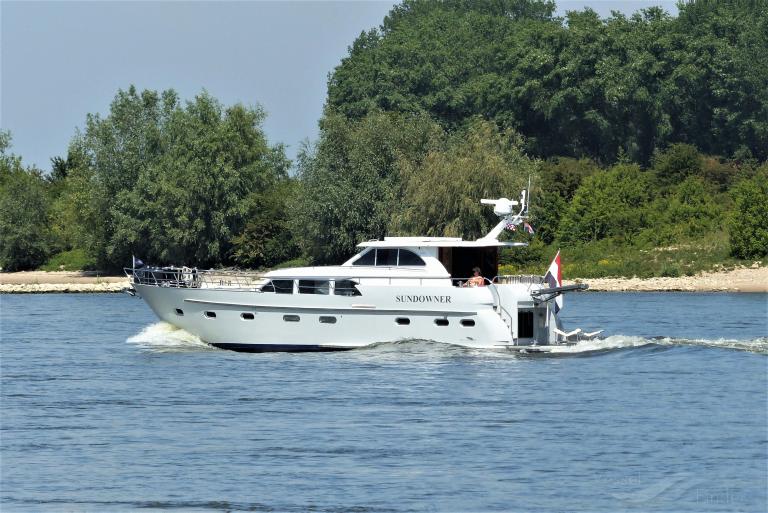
{"x": 64, "y": 281}
{"x": 737, "y": 280}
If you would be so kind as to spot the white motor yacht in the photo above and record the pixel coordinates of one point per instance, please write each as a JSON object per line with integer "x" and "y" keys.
{"x": 399, "y": 288}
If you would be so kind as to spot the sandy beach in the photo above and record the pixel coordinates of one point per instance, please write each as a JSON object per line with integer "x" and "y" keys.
{"x": 60, "y": 281}
{"x": 737, "y": 280}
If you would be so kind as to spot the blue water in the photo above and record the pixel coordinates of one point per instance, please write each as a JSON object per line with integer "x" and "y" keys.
{"x": 104, "y": 409}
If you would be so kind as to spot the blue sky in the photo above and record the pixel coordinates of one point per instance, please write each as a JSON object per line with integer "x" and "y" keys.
{"x": 61, "y": 60}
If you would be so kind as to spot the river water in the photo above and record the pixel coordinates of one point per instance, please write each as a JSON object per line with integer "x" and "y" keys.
{"x": 105, "y": 409}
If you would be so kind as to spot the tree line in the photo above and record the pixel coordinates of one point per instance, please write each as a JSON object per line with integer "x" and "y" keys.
{"x": 642, "y": 130}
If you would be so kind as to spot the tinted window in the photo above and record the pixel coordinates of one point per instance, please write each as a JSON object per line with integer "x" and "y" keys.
{"x": 345, "y": 288}
{"x": 291, "y": 318}
{"x": 179, "y": 311}
{"x": 408, "y": 257}
{"x": 313, "y": 286}
{"x": 467, "y": 322}
{"x": 441, "y": 322}
{"x": 367, "y": 258}
{"x": 247, "y": 316}
{"x": 386, "y": 256}
{"x": 327, "y": 319}
{"x": 403, "y": 321}
{"x": 210, "y": 315}
{"x": 268, "y": 287}
{"x": 283, "y": 286}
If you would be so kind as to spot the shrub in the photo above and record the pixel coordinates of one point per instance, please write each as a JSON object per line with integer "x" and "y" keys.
{"x": 748, "y": 224}
{"x": 73, "y": 260}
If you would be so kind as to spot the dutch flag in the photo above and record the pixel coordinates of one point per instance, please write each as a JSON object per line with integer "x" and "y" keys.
{"x": 554, "y": 278}
{"x": 528, "y": 228}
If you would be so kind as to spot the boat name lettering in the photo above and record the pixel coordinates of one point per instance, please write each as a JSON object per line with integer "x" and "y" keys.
{"x": 422, "y": 299}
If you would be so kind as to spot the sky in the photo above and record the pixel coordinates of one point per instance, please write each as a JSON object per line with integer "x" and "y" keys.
{"x": 61, "y": 60}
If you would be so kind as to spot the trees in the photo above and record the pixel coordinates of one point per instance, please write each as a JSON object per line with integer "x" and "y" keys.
{"x": 612, "y": 203}
{"x": 586, "y": 87}
{"x": 748, "y": 223}
{"x": 442, "y": 193}
{"x": 25, "y": 238}
{"x": 350, "y": 181}
{"x": 171, "y": 183}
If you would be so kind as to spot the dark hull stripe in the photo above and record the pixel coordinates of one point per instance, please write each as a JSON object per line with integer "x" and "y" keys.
{"x": 284, "y": 348}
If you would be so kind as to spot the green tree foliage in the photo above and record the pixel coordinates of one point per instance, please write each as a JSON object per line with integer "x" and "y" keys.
{"x": 559, "y": 179}
{"x": 692, "y": 207}
{"x": 443, "y": 192}
{"x": 748, "y": 224}
{"x": 170, "y": 182}
{"x": 350, "y": 181}
{"x": 608, "y": 204}
{"x": 25, "y": 239}
{"x": 677, "y": 163}
{"x": 580, "y": 86}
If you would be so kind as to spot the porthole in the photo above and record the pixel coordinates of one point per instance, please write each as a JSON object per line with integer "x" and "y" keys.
{"x": 441, "y": 322}
{"x": 179, "y": 312}
{"x": 403, "y": 321}
{"x": 467, "y": 323}
{"x": 247, "y": 316}
{"x": 210, "y": 315}
{"x": 327, "y": 319}
{"x": 291, "y": 318}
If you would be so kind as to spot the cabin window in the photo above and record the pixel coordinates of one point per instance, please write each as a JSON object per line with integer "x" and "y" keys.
{"x": 247, "y": 316}
{"x": 314, "y": 287}
{"x": 386, "y": 257}
{"x": 441, "y": 322}
{"x": 368, "y": 258}
{"x": 210, "y": 315}
{"x": 283, "y": 286}
{"x": 345, "y": 288}
{"x": 179, "y": 312}
{"x": 291, "y": 318}
{"x": 524, "y": 324}
{"x": 268, "y": 287}
{"x": 403, "y": 321}
{"x": 327, "y": 319}
{"x": 467, "y": 323}
{"x": 408, "y": 257}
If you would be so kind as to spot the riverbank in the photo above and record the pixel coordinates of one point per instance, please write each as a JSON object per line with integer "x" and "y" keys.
{"x": 31, "y": 282}
{"x": 736, "y": 280}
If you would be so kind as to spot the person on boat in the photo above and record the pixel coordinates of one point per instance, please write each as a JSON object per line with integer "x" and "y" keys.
{"x": 476, "y": 280}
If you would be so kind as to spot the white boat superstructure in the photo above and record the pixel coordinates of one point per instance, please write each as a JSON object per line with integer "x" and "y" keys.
{"x": 399, "y": 288}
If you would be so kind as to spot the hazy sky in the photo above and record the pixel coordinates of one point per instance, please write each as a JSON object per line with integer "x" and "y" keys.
{"x": 62, "y": 60}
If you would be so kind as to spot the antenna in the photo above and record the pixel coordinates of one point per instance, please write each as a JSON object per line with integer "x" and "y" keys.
{"x": 529, "y": 195}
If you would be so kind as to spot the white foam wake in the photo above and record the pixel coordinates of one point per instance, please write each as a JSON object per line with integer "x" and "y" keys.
{"x": 164, "y": 337}
{"x": 759, "y": 345}
{"x": 603, "y": 344}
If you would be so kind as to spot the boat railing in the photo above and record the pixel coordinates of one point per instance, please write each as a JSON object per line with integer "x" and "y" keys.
{"x": 518, "y": 279}
{"x": 187, "y": 277}
{"x": 193, "y": 278}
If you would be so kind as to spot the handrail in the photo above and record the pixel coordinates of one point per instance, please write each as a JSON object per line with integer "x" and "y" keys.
{"x": 185, "y": 277}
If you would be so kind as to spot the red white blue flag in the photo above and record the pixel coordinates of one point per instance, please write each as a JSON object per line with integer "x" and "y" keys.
{"x": 554, "y": 278}
{"x": 528, "y": 228}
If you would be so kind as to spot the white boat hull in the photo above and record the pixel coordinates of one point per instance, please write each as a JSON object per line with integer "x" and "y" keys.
{"x": 248, "y": 320}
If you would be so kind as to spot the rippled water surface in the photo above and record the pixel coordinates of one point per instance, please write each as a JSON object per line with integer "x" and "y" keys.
{"x": 105, "y": 409}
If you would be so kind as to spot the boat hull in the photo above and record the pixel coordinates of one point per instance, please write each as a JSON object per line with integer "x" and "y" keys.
{"x": 258, "y": 322}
